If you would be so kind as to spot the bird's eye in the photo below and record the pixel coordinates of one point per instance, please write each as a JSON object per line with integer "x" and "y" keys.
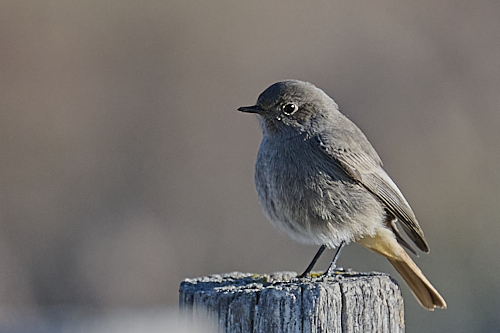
{"x": 290, "y": 109}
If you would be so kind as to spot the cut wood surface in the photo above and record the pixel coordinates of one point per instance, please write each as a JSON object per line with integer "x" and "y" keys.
{"x": 280, "y": 302}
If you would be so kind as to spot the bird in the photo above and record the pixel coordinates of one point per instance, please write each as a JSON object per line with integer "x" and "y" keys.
{"x": 321, "y": 181}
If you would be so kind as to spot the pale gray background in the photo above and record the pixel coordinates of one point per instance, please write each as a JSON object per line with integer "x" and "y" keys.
{"x": 126, "y": 168}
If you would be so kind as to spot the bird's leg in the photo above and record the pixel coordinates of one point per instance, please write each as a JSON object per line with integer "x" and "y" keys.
{"x": 313, "y": 262}
{"x": 333, "y": 264}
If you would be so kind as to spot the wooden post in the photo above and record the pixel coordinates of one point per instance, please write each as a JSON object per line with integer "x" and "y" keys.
{"x": 282, "y": 303}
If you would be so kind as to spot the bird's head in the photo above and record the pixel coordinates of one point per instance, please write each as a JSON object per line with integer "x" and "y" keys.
{"x": 291, "y": 107}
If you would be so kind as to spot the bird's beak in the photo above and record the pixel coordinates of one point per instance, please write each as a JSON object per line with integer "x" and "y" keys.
{"x": 251, "y": 109}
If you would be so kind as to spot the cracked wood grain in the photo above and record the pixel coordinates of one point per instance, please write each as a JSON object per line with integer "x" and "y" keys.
{"x": 278, "y": 303}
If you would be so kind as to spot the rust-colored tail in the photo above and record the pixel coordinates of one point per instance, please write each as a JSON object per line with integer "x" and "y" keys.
{"x": 423, "y": 290}
{"x": 385, "y": 243}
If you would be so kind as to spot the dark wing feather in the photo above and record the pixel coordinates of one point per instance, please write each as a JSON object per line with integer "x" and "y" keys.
{"x": 367, "y": 170}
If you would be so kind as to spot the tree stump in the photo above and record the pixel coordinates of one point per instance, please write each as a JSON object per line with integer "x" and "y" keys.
{"x": 280, "y": 302}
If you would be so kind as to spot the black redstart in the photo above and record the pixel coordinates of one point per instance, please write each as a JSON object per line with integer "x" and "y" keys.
{"x": 320, "y": 180}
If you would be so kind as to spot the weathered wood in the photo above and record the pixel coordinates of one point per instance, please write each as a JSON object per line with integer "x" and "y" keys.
{"x": 282, "y": 303}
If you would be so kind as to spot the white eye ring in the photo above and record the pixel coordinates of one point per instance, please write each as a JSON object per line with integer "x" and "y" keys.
{"x": 290, "y": 109}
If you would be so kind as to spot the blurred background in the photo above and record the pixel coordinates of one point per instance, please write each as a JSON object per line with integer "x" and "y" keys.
{"x": 126, "y": 168}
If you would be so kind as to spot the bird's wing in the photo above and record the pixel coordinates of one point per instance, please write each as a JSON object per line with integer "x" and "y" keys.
{"x": 367, "y": 170}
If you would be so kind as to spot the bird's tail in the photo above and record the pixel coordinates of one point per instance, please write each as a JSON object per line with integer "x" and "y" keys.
{"x": 384, "y": 243}
{"x": 423, "y": 290}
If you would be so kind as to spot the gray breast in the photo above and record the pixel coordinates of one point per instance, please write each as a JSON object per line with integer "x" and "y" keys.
{"x": 307, "y": 195}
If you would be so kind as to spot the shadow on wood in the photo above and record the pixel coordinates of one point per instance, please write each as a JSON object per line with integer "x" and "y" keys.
{"x": 280, "y": 302}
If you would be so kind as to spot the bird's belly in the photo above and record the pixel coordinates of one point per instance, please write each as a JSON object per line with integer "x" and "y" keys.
{"x": 316, "y": 205}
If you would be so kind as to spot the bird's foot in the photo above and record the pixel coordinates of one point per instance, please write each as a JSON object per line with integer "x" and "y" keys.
{"x": 332, "y": 271}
